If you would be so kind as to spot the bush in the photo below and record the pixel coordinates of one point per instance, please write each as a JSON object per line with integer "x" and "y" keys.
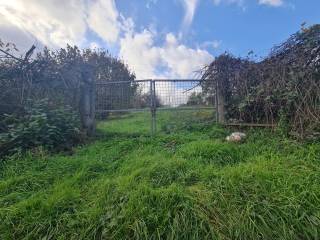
{"x": 54, "y": 128}
{"x": 283, "y": 88}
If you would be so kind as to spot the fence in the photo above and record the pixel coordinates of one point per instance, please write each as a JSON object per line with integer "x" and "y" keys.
{"x": 151, "y": 95}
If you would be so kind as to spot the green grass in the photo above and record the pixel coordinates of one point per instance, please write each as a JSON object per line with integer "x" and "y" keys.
{"x": 185, "y": 183}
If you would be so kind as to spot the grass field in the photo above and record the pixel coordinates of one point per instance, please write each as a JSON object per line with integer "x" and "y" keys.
{"x": 185, "y": 183}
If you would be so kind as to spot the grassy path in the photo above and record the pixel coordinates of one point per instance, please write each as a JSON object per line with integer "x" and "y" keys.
{"x": 186, "y": 183}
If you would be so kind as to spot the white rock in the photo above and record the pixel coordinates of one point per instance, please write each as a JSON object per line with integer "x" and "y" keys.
{"x": 242, "y": 135}
{"x": 236, "y": 137}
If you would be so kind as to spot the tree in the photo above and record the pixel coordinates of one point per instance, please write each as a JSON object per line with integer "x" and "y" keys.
{"x": 58, "y": 76}
{"x": 285, "y": 84}
{"x": 195, "y": 99}
{"x": 143, "y": 100}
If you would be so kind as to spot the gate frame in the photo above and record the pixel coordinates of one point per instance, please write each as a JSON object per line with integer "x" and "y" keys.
{"x": 153, "y": 108}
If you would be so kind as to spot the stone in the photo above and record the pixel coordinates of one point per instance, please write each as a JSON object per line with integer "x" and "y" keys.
{"x": 236, "y": 137}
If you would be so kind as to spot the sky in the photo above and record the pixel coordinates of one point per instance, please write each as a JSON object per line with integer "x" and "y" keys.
{"x": 157, "y": 38}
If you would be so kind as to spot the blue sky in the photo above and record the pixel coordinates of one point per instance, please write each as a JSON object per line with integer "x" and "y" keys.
{"x": 238, "y": 26}
{"x": 157, "y": 38}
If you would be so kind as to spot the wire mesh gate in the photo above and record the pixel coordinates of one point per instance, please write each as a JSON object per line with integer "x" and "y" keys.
{"x": 151, "y": 95}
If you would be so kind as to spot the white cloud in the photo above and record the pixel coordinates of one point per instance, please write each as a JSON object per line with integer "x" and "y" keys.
{"x": 238, "y": 2}
{"x": 181, "y": 60}
{"x": 150, "y": 3}
{"x": 213, "y": 44}
{"x": 13, "y": 34}
{"x": 57, "y": 23}
{"x": 139, "y": 53}
{"x": 52, "y": 24}
{"x": 273, "y": 3}
{"x": 190, "y": 8}
{"x": 103, "y": 19}
{"x": 94, "y": 45}
{"x": 127, "y": 24}
{"x": 171, "y": 59}
{"x": 241, "y": 3}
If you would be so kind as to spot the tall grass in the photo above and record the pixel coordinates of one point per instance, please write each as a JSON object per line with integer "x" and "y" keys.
{"x": 186, "y": 183}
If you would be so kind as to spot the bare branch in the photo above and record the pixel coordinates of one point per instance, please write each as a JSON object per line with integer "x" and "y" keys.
{"x": 10, "y": 55}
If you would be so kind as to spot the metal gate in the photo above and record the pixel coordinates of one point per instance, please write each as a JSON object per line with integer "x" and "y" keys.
{"x": 151, "y": 95}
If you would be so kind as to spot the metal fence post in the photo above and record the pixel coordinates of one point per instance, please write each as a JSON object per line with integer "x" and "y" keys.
{"x": 153, "y": 107}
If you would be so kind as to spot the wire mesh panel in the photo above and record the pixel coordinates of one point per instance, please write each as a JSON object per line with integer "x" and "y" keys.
{"x": 116, "y": 99}
{"x": 123, "y": 96}
{"x": 181, "y": 94}
{"x": 143, "y": 94}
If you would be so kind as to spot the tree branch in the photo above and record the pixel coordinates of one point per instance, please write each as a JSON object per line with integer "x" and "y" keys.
{"x": 10, "y": 55}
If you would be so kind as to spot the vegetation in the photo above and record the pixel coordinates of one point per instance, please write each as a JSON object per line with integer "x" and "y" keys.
{"x": 283, "y": 87}
{"x": 196, "y": 99}
{"x": 41, "y": 97}
{"x": 56, "y": 75}
{"x": 187, "y": 183}
{"x": 40, "y": 125}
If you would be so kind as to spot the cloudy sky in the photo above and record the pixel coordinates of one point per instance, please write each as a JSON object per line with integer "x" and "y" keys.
{"x": 157, "y": 38}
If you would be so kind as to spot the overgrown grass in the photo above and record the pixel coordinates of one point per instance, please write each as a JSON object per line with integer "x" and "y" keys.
{"x": 185, "y": 183}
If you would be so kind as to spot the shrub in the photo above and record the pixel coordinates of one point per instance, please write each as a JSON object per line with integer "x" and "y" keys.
{"x": 283, "y": 88}
{"x": 54, "y": 128}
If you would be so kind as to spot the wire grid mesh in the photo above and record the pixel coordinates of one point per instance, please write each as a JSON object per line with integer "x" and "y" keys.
{"x": 146, "y": 94}
{"x": 176, "y": 94}
{"x": 121, "y": 102}
{"x": 123, "y": 96}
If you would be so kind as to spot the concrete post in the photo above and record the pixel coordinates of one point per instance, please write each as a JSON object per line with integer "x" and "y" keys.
{"x": 87, "y": 104}
{"x": 220, "y": 104}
